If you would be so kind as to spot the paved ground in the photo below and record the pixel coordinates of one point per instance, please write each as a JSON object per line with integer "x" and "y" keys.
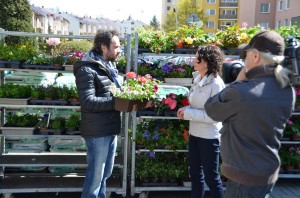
{"x": 285, "y": 188}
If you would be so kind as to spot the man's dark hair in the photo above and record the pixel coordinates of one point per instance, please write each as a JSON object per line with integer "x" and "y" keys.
{"x": 214, "y": 57}
{"x": 103, "y": 37}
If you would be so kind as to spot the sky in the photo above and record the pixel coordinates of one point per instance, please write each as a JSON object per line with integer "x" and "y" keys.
{"x": 142, "y": 10}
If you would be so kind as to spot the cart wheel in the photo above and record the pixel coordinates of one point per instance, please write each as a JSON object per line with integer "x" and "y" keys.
{"x": 144, "y": 194}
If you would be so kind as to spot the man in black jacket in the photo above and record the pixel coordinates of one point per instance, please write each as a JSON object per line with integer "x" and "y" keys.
{"x": 100, "y": 123}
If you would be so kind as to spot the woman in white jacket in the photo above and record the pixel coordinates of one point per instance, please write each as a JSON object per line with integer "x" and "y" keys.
{"x": 204, "y": 139}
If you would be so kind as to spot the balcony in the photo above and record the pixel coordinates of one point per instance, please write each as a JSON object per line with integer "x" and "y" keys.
{"x": 228, "y": 4}
{"x": 228, "y": 16}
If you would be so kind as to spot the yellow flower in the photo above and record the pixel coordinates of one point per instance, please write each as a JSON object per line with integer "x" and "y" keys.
{"x": 244, "y": 36}
{"x": 189, "y": 40}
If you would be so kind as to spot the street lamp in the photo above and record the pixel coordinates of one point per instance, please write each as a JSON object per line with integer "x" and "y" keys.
{"x": 176, "y": 17}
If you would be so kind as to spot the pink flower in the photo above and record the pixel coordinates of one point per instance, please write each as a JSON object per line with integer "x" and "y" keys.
{"x": 290, "y": 122}
{"x": 148, "y": 76}
{"x": 180, "y": 69}
{"x": 172, "y": 103}
{"x": 130, "y": 75}
{"x": 244, "y": 24}
{"x": 53, "y": 41}
{"x": 142, "y": 79}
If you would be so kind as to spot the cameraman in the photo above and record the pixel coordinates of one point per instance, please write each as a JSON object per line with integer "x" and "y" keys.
{"x": 254, "y": 110}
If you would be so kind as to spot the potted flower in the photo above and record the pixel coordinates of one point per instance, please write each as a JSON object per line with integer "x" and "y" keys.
{"x": 135, "y": 92}
{"x": 171, "y": 103}
{"x": 71, "y": 57}
{"x": 73, "y": 122}
{"x": 177, "y": 74}
{"x": 292, "y": 128}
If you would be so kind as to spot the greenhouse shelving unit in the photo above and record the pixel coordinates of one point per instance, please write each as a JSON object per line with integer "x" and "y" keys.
{"x": 134, "y": 151}
{"x": 26, "y": 182}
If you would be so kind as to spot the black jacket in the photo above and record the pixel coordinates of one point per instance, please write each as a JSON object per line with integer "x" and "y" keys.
{"x": 98, "y": 117}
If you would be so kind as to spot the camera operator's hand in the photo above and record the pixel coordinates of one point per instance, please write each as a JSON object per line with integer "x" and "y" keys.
{"x": 242, "y": 75}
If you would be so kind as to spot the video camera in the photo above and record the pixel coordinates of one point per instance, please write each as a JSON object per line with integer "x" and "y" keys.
{"x": 291, "y": 62}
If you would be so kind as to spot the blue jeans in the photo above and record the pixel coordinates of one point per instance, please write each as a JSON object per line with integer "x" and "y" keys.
{"x": 204, "y": 164}
{"x": 234, "y": 189}
{"x": 100, "y": 158}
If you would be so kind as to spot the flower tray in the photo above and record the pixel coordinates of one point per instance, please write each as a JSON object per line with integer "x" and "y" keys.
{"x": 14, "y": 101}
{"x": 185, "y": 51}
{"x": 69, "y": 68}
{"x": 126, "y": 105}
{"x": 3, "y": 64}
{"x": 44, "y": 67}
{"x": 17, "y": 130}
{"x": 179, "y": 81}
{"x": 48, "y": 102}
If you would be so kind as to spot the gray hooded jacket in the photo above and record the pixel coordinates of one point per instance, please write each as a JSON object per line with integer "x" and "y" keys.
{"x": 98, "y": 117}
{"x": 254, "y": 114}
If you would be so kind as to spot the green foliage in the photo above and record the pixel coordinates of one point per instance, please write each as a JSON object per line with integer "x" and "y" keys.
{"x": 16, "y": 16}
{"x": 21, "y": 120}
{"x": 183, "y": 8}
{"x": 57, "y": 123}
{"x": 154, "y": 134}
{"x": 73, "y": 121}
{"x": 15, "y": 91}
{"x": 286, "y": 31}
{"x": 57, "y": 60}
{"x": 154, "y": 23}
{"x": 82, "y": 45}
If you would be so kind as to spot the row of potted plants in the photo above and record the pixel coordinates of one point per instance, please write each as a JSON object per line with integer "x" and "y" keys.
{"x": 41, "y": 92}
{"x": 191, "y": 37}
{"x": 162, "y": 134}
{"x": 43, "y": 124}
{"x": 165, "y": 170}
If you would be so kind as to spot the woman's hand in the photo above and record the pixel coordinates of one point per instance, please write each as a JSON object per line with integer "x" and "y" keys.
{"x": 180, "y": 113}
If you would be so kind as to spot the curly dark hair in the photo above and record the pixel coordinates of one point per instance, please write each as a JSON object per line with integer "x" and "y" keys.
{"x": 214, "y": 57}
{"x": 103, "y": 37}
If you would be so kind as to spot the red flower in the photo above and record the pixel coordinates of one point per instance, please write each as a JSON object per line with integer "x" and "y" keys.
{"x": 185, "y": 102}
{"x": 130, "y": 75}
{"x": 186, "y": 135}
{"x": 155, "y": 88}
{"x": 172, "y": 95}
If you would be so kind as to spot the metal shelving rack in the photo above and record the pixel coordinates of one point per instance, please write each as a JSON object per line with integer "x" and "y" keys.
{"x": 50, "y": 182}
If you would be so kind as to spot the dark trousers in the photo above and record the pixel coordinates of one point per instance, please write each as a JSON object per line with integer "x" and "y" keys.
{"x": 204, "y": 164}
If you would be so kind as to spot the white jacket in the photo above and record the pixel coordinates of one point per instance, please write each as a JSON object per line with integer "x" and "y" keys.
{"x": 201, "y": 125}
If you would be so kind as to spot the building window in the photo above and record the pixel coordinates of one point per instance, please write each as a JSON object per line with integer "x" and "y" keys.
{"x": 278, "y": 24}
{"x": 228, "y": 23}
{"x": 169, "y": 1}
{"x": 286, "y": 22}
{"x": 210, "y": 24}
{"x": 211, "y": 1}
{"x": 265, "y": 8}
{"x": 168, "y": 8}
{"x": 264, "y": 24}
{"x": 280, "y": 3}
{"x": 229, "y": 11}
{"x": 210, "y": 12}
{"x": 287, "y": 4}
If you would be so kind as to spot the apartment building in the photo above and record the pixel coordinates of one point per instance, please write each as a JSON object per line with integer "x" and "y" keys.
{"x": 266, "y": 13}
{"x": 219, "y": 13}
{"x": 269, "y": 13}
